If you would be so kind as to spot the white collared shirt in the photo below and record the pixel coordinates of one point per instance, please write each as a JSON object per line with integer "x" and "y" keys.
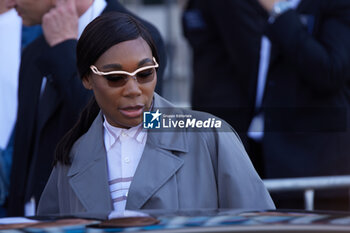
{"x": 10, "y": 55}
{"x": 94, "y": 10}
{"x": 256, "y": 128}
{"x": 124, "y": 149}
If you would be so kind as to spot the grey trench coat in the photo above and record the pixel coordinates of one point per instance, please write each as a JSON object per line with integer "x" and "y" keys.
{"x": 178, "y": 170}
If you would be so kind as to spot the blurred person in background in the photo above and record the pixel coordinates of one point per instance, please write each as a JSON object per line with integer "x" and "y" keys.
{"x": 290, "y": 71}
{"x": 225, "y": 38}
{"x": 10, "y": 50}
{"x": 304, "y": 91}
{"x": 14, "y": 37}
{"x": 50, "y": 94}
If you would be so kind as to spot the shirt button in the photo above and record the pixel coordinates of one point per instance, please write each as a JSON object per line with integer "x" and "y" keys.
{"x": 126, "y": 160}
{"x": 124, "y": 134}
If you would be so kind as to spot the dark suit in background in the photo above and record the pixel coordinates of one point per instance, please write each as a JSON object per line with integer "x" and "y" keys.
{"x": 307, "y": 96}
{"x": 43, "y": 120}
{"x": 225, "y": 37}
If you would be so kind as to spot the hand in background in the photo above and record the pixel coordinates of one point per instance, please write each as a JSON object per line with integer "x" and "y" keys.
{"x": 61, "y": 22}
{"x": 267, "y": 4}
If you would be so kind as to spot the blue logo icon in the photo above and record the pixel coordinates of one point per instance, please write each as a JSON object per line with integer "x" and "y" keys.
{"x": 151, "y": 120}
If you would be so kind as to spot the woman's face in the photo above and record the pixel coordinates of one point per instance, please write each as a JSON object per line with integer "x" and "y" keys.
{"x": 123, "y": 105}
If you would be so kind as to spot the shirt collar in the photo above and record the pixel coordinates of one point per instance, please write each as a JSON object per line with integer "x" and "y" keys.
{"x": 94, "y": 10}
{"x": 113, "y": 133}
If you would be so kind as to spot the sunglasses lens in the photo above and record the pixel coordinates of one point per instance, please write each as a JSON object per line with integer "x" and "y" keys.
{"x": 118, "y": 80}
{"x": 145, "y": 76}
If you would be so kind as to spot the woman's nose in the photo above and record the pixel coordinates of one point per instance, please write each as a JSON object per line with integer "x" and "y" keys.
{"x": 132, "y": 87}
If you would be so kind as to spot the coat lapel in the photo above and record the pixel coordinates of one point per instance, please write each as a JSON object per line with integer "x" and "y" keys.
{"x": 49, "y": 100}
{"x": 48, "y": 103}
{"x": 158, "y": 162}
{"x": 89, "y": 172}
{"x": 156, "y": 167}
{"x": 29, "y": 90}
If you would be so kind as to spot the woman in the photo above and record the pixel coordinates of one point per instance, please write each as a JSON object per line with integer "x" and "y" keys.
{"x": 109, "y": 162}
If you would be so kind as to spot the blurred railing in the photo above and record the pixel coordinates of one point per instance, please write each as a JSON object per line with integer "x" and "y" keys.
{"x": 308, "y": 185}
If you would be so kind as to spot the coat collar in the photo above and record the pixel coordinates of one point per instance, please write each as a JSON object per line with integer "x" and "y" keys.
{"x": 158, "y": 162}
{"x": 175, "y": 139}
{"x": 89, "y": 173}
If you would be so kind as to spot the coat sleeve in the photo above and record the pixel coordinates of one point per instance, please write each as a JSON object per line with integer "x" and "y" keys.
{"x": 49, "y": 203}
{"x": 319, "y": 52}
{"x": 239, "y": 185}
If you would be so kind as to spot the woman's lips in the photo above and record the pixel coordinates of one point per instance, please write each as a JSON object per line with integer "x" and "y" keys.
{"x": 132, "y": 111}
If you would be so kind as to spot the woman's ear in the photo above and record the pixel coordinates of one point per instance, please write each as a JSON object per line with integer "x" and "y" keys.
{"x": 87, "y": 82}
